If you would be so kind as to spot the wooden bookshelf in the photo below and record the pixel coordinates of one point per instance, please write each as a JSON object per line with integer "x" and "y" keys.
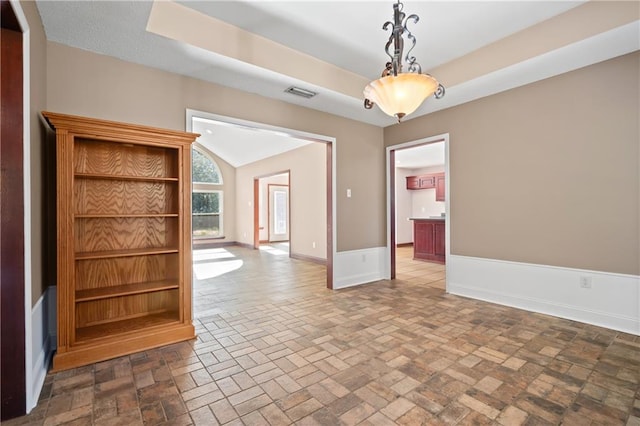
{"x": 138, "y": 178}
{"x": 124, "y": 240}
{"x": 124, "y": 327}
{"x": 124, "y": 290}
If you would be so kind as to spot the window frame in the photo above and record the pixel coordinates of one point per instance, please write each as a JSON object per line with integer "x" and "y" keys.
{"x": 208, "y": 187}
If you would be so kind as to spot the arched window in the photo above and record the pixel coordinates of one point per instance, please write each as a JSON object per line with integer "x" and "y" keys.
{"x": 206, "y": 198}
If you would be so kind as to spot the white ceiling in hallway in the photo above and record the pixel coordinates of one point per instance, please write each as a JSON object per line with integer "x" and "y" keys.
{"x": 416, "y": 157}
{"x": 240, "y": 146}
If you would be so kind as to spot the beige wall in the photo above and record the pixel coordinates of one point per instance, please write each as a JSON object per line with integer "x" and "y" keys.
{"x": 84, "y": 83}
{"x": 546, "y": 173}
{"x": 38, "y": 61}
{"x": 307, "y": 194}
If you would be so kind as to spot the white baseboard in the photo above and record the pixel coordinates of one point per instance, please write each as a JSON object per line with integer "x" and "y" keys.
{"x": 357, "y": 267}
{"x": 43, "y": 337}
{"x": 613, "y": 301}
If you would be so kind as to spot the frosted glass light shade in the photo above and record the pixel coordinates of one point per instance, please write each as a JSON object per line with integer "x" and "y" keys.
{"x": 402, "y": 94}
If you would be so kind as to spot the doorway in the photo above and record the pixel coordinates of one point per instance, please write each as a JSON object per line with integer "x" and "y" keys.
{"x": 396, "y": 182}
{"x": 278, "y": 213}
{"x": 246, "y": 232}
{"x": 272, "y": 213}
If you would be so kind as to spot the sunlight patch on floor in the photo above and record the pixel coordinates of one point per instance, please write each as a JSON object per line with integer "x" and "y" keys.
{"x": 210, "y": 254}
{"x": 274, "y": 251}
{"x": 208, "y": 263}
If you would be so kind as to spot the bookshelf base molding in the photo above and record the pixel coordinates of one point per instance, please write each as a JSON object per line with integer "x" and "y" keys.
{"x": 79, "y": 355}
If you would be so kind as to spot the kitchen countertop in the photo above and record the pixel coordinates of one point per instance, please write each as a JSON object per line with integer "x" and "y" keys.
{"x": 429, "y": 218}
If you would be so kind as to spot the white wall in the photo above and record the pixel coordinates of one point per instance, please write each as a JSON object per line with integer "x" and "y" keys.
{"x": 424, "y": 204}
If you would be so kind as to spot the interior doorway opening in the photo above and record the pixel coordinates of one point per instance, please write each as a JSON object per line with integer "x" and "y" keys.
{"x": 242, "y": 229}
{"x": 272, "y": 212}
{"x": 399, "y": 217}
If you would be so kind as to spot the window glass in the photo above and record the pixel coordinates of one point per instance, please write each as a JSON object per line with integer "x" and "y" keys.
{"x": 206, "y": 196}
{"x": 206, "y": 214}
{"x": 205, "y": 170}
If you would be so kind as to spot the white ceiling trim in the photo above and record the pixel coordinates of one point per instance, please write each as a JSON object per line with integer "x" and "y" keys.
{"x": 598, "y": 48}
{"x": 186, "y": 25}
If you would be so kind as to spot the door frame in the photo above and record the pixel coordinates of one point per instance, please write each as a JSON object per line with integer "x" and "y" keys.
{"x": 256, "y": 206}
{"x": 270, "y": 201}
{"x": 391, "y": 199}
{"x": 328, "y": 141}
{"x": 29, "y": 400}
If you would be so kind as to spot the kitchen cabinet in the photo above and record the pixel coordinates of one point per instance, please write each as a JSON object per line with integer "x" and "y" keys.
{"x": 429, "y": 240}
{"x": 421, "y": 182}
{"x": 124, "y": 238}
{"x": 440, "y": 187}
{"x": 426, "y": 182}
{"x": 413, "y": 182}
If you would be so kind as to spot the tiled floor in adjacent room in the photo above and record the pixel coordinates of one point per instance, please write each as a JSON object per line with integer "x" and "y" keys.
{"x": 275, "y": 347}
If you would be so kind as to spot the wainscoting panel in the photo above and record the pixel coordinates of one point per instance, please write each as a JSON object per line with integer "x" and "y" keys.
{"x": 43, "y": 338}
{"x": 599, "y": 298}
{"x": 359, "y": 266}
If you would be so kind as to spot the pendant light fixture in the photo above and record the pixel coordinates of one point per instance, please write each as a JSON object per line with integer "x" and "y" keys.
{"x": 399, "y": 93}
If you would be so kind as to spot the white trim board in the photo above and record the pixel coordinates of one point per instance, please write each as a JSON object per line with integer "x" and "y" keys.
{"x": 43, "y": 343}
{"x": 612, "y": 301}
{"x": 357, "y": 267}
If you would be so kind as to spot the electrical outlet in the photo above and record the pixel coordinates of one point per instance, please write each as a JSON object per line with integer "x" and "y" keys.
{"x": 313, "y": 244}
{"x": 585, "y": 282}
{"x": 364, "y": 257}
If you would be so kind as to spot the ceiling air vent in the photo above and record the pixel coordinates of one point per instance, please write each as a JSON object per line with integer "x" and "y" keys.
{"x": 301, "y": 92}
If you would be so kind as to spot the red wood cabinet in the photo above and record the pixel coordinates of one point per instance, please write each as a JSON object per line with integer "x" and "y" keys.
{"x": 427, "y": 181}
{"x": 435, "y": 180}
{"x": 440, "y": 187}
{"x": 429, "y": 240}
{"x": 413, "y": 182}
{"x": 421, "y": 182}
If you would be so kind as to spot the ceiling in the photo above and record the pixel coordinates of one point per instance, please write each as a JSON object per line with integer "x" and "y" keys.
{"x": 475, "y": 48}
{"x": 420, "y": 156}
{"x": 240, "y": 145}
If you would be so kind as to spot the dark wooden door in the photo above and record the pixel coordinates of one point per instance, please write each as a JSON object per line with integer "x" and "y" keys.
{"x": 12, "y": 296}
